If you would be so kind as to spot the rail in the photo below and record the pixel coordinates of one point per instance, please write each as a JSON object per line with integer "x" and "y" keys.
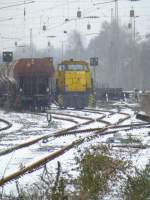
{"x": 41, "y": 162}
{"x": 8, "y": 124}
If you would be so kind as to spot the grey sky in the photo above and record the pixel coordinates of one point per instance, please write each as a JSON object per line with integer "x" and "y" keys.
{"x": 53, "y": 12}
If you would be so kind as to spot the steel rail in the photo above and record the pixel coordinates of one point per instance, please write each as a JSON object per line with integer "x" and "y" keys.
{"x": 126, "y": 129}
{"x": 41, "y": 162}
{"x": 61, "y": 114}
{"x": 131, "y": 125}
{"x": 132, "y": 146}
{"x": 139, "y": 125}
{"x": 51, "y": 156}
{"x": 9, "y": 125}
{"x": 24, "y": 126}
{"x": 57, "y": 133}
{"x": 65, "y": 119}
{"x": 33, "y": 141}
{"x": 70, "y": 115}
{"x": 38, "y": 163}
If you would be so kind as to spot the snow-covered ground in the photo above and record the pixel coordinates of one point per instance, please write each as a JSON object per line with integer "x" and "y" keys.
{"x": 27, "y": 126}
{"x": 2, "y": 125}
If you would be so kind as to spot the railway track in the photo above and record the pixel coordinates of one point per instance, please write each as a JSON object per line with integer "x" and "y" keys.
{"x": 27, "y": 126}
{"x": 95, "y": 133}
{"x": 55, "y": 134}
{"x": 8, "y": 124}
{"x": 88, "y": 134}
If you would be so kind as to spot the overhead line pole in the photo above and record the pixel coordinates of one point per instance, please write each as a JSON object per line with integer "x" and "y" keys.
{"x": 31, "y": 43}
{"x": 116, "y": 67}
{"x": 116, "y": 12}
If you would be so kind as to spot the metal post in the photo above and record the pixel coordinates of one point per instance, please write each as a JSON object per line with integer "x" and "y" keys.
{"x": 134, "y": 30}
{"x": 116, "y": 11}
{"x": 116, "y": 41}
{"x": 135, "y": 27}
{"x": 62, "y": 50}
{"x": 49, "y": 118}
{"x": 31, "y": 43}
{"x": 131, "y": 19}
{"x": 112, "y": 15}
{"x": 94, "y": 77}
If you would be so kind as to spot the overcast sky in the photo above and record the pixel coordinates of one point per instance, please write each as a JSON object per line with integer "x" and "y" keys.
{"x": 52, "y": 14}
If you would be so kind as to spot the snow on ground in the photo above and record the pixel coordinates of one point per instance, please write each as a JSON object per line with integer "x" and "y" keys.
{"x": 25, "y": 156}
{"x": 2, "y": 125}
{"x": 88, "y": 114}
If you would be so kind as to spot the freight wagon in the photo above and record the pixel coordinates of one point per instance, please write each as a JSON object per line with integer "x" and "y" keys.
{"x": 35, "y": 82}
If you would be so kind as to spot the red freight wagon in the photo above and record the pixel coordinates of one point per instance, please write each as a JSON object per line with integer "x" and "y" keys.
{"x": 35, "y": 82}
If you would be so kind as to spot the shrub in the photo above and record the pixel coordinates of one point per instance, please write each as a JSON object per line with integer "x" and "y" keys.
{"x": 137, "y": 187}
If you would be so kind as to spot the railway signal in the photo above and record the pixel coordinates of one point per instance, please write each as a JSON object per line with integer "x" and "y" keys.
{"x": 7, "y": 56}
{"x": 16, "y": 44}
{"x": 129, "y": 25}
{"x": 49, "y": 44}
{"x": 79, "y": 14}
{"x": 88, "y": 26}
{"x": 94, "y": 61}
{"x": 131, "y": 13}
{"x": 44, "y": 27}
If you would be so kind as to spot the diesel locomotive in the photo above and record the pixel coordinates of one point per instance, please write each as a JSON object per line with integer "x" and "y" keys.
{"x": 74, "y": 84}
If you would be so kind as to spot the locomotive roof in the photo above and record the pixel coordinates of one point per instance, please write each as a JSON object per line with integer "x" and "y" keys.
{"x": 74, "y": 62}
{"x": 29, "y": 66}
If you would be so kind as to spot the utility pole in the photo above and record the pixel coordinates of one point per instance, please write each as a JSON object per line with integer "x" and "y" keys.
{"x": 112, "y": 15}
{"x": 116, "y": 37}
{"x": 133, "y": 37}
{"x": 134, "y": 32}
{"x": 131, "y": 19}
{"x": 133, "y": 23}
{"x": 116, "y": 11}
{"x": 24, "y": 17}
{"x": 31, "y": 43}
{"x": 62, "y": 50}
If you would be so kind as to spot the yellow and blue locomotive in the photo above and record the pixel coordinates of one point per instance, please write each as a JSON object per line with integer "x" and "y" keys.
{"x": 74, "y": 84}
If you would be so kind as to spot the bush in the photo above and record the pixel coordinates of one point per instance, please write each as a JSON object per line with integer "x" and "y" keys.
{"x": 97, "y": 170}
{"x": 138, "y": 186}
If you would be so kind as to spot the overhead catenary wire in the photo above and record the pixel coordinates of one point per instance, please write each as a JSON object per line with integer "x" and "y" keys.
{"x": 6, "y": 19}
{"x": 56, "y": 7}
{"x": 106, "y": 2}
{"x": 15, "y": 5}
{"x": 58, "y": 22}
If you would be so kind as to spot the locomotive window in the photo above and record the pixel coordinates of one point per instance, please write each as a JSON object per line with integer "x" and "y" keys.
{"x": 86, "y": 68}
{"x": 61, "y": 67}
{"x": 75, "y": 67}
